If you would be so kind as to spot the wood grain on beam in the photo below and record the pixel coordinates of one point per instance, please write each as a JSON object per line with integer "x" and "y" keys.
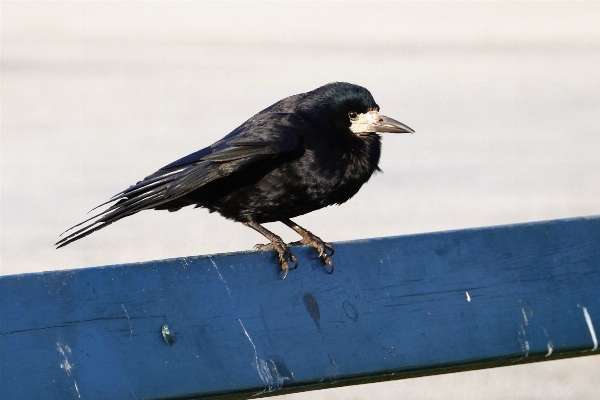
{"x": 394, "y": 307}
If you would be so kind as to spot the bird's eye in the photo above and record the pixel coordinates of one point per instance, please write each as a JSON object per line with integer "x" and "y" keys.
{"x": 352, "y": 115}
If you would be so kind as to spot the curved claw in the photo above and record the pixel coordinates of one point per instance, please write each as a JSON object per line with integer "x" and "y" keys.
{"x": 285, "y": 256}
{"x": 286, "y": 269}
{"x": 294, "y": 260}
{"x": 322, "y": 248}
{"x": 318, "y": 245}
{"x": 331, "y": 265}
{"x": 329, "y": 247}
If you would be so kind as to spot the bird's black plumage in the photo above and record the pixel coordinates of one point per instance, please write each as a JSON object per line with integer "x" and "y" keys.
{"x": 301, "y": 154}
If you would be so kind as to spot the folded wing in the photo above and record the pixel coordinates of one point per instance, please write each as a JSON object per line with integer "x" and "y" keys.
{"x": 260, "y": 137}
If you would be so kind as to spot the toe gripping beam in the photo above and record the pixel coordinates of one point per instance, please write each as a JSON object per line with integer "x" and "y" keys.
{"x": 227, "y": 326}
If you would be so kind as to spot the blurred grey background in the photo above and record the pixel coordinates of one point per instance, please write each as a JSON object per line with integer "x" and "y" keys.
{"x": 504, "y": 98}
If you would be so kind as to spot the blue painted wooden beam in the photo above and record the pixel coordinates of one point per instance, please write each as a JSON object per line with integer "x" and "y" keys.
{"x": 395, "y": 307}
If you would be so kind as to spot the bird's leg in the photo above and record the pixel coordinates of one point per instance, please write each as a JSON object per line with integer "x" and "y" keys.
{"x": 312, "y": 240}
{"x": 277, "y": 244}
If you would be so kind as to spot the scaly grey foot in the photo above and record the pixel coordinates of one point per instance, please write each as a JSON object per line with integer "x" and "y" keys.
{"x": 308, "y": 238}
{"x": 285, "y": 255}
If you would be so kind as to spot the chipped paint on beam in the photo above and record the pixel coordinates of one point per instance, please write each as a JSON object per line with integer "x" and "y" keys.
{"x": 590, "y": 325}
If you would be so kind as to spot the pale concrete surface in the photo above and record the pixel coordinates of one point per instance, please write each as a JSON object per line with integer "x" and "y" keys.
{"x": 504, "y": 97}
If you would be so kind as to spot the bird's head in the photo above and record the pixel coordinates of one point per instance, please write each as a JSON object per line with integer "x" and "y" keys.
{"x": 354, "y": 109}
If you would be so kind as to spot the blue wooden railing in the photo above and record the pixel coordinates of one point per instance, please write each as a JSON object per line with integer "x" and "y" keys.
{"x": 226, "y": 325}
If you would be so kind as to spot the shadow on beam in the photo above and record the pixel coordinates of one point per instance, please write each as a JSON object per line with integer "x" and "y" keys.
{"x": 395, "y": 307}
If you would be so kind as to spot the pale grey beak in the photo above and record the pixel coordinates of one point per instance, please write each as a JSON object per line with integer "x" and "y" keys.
{"x": 386, "y": 124}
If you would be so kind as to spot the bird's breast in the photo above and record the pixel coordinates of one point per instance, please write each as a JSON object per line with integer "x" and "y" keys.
{"x": 318, "y": 178}
{"x": 337, "y": 175}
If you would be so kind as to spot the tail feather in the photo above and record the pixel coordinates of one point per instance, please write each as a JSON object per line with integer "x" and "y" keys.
{"x": 106, "y": 220}
{"x": 143, "y": 195}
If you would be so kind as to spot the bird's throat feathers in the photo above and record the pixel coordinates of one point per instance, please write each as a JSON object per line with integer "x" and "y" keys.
{"x": 363, "y": 158}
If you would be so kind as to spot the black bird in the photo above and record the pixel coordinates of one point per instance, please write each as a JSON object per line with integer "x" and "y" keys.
{"x": 301, "y": 154}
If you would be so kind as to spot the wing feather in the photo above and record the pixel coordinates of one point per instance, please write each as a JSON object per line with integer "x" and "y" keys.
{"x": 260, "y": 137}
